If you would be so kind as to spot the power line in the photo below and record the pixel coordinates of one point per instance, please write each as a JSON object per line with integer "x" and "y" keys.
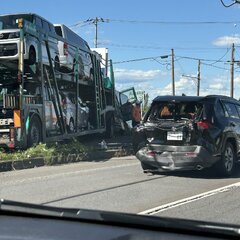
{"x": 173, "y": 22}
{"x": 210, "y": 65}
{"x": 156, "y": 22}
{"x": 225, "y": 5}
{"x": 221, "y": 57}
{"x": 159, "y": 47}
{"x": 178, "y": 58}
{"x": 141, "y": 59}
{"x": 202, "y": 59}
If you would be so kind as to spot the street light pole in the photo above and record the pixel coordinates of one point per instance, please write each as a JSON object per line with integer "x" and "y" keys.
{"x": 173, "y": 75}
{"x": 232, "y": 72}
{"x": 198, "y": 78}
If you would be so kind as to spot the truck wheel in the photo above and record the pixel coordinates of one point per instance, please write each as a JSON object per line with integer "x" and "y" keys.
{"x": 32, "y": 56}
{"x": 228, "y": 160}
{"x": 34, "y": 132}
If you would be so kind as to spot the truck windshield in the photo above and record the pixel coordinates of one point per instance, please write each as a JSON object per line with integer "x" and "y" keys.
{"x": 10, "y": 21}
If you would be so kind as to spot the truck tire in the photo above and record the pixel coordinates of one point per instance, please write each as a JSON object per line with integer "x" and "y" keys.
{"x": 34, "y": 132}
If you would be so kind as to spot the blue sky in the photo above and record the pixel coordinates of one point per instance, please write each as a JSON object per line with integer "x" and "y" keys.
{"x": 133, "y": 29}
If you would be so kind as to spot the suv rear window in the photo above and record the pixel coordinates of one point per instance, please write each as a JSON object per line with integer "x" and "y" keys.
{"x": 177, "y": 110}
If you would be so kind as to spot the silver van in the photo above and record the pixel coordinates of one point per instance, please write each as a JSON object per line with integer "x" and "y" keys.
{"x": 71, "y": 46}
{"x": 10, "y": 38}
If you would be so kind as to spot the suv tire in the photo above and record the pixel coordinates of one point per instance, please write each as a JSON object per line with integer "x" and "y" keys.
{"x": 228, "y": 160}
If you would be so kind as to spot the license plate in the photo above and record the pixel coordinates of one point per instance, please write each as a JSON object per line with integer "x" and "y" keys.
{"x": 175, "y": 136}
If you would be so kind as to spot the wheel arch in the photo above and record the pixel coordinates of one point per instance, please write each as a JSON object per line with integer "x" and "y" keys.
{"x": 233, "y": 141}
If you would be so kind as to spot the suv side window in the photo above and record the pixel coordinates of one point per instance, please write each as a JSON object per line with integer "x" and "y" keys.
{"x": 238, "y": 108}
{"x": 219, "y": 111}
{"x": 231, "y": 110}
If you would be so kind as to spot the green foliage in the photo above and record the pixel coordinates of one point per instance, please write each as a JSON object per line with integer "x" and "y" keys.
{"x": 48, "y": 152}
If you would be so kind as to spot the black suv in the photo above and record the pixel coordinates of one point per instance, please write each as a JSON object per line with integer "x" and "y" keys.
{"x": 186, "y": 132}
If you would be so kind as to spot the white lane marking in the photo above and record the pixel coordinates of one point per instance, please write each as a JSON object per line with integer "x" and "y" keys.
{"x": 183, "y": 201}
{"x": 67, "y": 174}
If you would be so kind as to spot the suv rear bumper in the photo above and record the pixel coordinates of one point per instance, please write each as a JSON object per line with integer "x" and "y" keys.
{"x": 164, "y": 157}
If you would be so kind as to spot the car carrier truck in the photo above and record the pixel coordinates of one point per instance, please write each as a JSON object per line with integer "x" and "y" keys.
{"x": 31, "y": 102}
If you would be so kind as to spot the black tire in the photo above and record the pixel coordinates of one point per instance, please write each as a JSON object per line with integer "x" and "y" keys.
{"x": 34, "y": 132}
{"x": 227, "y": 163}
{"x": 71, "y": 126}
{"x": 32, "y": 56}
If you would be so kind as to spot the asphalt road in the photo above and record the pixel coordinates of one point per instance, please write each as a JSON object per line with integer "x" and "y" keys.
{"x": 118, "y": 184}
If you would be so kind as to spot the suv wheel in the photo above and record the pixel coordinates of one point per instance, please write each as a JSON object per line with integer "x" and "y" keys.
{"x": 228, "y": 160}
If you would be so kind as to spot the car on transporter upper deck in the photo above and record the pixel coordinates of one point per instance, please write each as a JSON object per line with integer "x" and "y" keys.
{"x": 189, "y": 132}
{"x": 74, "y": 49}
{"x": 10, "y": 39}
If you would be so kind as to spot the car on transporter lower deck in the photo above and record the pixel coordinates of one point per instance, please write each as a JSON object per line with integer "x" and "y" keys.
{"x": 188, "y": 133}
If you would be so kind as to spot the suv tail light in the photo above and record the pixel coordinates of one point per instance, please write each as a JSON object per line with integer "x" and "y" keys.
{"x": 151, "y": 153}
{"x": 65, "y": 49}
{"x": 204, "y": 124}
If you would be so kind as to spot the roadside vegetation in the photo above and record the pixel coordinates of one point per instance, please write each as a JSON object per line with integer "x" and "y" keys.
{"x": 50, "y": 152}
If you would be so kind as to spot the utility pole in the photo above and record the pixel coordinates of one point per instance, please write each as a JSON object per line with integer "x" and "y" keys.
{"x": 232, "y": 72}
{"x": 198, "y": 78}
{"x": 173, "y": 77}
{"x": 95, "y": 22}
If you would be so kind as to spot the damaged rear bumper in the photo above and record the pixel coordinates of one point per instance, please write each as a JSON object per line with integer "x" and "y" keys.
{"x": 161, "y": 157}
